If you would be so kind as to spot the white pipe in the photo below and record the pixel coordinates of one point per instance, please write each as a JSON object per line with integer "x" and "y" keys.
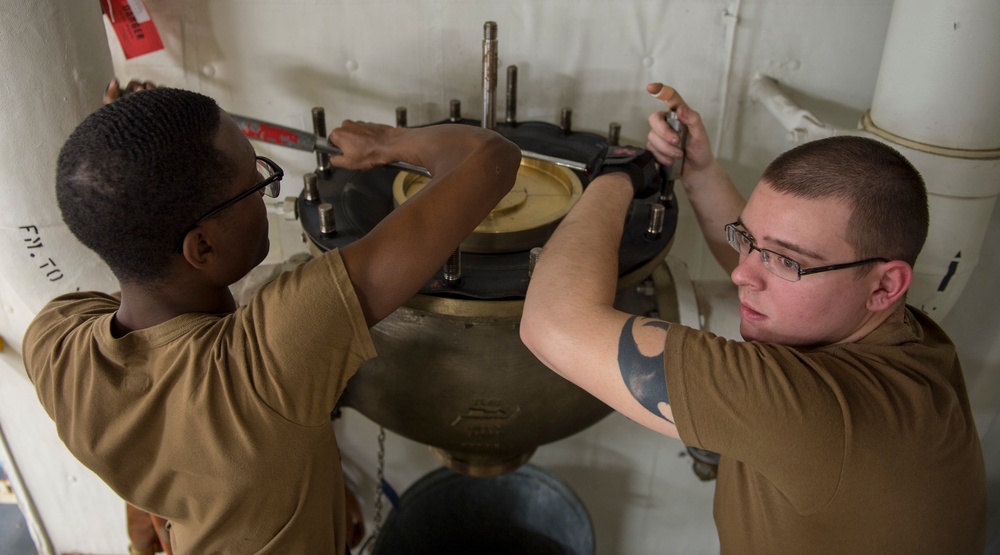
{"x": 940, "y": 75}
{"x": 801, "y": 124}
{"x": 935, "y": 103}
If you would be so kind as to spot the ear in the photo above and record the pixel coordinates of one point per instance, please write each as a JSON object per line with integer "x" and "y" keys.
{"x": 894, "y": 279}
{"x": 198, "y": 248}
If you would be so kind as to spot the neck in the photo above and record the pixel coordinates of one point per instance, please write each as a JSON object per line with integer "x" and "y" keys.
{"x": 892, "y": 315}
{"x": 144, "y": 306}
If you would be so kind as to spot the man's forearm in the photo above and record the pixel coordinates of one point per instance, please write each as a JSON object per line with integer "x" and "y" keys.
{"x": 472, "y": 170}
{"x": 570, "y": 322}
{"x": 716, "y": 202}
{"x": 578, "y": 268}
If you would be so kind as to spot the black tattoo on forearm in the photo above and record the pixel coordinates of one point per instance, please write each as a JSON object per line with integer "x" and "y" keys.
{"x": 643, "y": 376}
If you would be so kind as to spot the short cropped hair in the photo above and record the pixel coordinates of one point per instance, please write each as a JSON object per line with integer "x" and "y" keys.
{"x": 136, "y": 173}
{"x": 886, "y": 194}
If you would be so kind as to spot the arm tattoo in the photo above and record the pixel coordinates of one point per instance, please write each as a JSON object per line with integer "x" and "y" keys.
{"x": 644, "y": 376}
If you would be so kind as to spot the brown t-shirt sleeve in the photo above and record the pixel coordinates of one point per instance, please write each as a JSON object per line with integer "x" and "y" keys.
{"x": 56, "y": 339}
{"x": 303, "y": 336}
{"x": 773, "y": 408}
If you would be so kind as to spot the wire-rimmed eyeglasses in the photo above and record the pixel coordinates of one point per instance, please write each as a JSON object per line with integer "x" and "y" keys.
{"x": 270, "y": 186}
{"x": 780, "y": 265}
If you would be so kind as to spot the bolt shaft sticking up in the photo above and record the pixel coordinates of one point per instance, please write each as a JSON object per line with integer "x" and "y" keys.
{"x": 319, "y": 128}
{"x": 453, "y": 268}
{"x": 489, "y": 74}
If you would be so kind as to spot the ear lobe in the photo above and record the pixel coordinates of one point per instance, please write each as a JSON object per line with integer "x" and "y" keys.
{"x": 894, "y": 281}
{"x": 197, "y": 249}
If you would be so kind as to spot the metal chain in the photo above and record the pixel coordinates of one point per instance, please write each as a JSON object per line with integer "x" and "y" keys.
{"x": 379, "y": 476}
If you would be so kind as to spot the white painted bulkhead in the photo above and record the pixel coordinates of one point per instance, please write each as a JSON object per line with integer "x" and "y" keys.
{"x": 360, "y": 60}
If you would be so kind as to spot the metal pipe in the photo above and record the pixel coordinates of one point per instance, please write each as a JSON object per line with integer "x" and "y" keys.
{"x": 655, "y": 227}
{"x": 614, "y": 133}
{"x": 571, "y": 164}
{"x": 511, "y": 94}
{"x": 310, "y": 187}
{"x": 453, "y": 268}
{"x": 489, "y": 74}
{"x": 533, "y": 255}
{"x": 566, "y": 121}
{"x": 327, "y": 221}
{"x": 319, "y": 128}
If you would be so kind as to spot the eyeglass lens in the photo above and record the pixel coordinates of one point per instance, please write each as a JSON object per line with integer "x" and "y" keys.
{"x": 268, "y": 173}
{"x": 783, "y": 267}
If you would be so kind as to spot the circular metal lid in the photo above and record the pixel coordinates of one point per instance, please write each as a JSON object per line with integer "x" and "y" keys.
{"x": 541, "y": 196}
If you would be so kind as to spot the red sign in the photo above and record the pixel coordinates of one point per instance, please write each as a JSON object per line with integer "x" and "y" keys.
{"x": 133, "y": 26}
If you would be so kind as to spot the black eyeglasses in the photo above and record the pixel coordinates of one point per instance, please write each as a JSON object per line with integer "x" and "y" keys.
{"x": 779, "y": 265}
{"x": 270, "y": 186}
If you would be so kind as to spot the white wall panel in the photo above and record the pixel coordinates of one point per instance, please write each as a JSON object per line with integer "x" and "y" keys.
{"x": 275, "y": 60}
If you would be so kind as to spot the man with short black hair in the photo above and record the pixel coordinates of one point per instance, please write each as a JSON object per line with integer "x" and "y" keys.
{"x": 214, "y": 416}
{"x": 842, "y": 420}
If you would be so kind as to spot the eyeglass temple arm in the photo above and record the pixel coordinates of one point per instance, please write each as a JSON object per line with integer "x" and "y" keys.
{"x": 808, "y": 271}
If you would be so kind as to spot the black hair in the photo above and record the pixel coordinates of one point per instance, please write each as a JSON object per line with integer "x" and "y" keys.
{"x": 136, "y": 173}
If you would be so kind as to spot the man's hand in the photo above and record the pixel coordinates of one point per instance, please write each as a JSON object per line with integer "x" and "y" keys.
{"x": 355, "y": 520}
{"x": 664, "y": 142}
{"x": 713, "y": 196}
{"x": 115, "y": 91}
{"x": 365, "y": 145}
{"x": 147, "y": 533}
{"x": 472, "y": 169}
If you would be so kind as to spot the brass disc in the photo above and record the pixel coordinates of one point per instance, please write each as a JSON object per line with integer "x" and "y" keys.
{"x": 541, "y": 196}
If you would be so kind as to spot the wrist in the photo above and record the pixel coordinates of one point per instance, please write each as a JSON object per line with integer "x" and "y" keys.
{"x": 614, "y": 183}
{"x": 702, "y": 178}
{"x": 636, "y": 164}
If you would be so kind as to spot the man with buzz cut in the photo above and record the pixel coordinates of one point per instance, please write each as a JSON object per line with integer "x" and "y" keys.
{"x": 842, "y": 420}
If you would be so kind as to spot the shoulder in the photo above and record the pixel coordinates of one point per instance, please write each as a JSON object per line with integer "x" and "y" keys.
{"x": 67, "y": 312}
{"x": 59, "y": 332}
{"x": 321, "y": 287}
{"x": 924, "y": 328}
{"x": 916, "y": 343}
{"x": 313, "y": 275}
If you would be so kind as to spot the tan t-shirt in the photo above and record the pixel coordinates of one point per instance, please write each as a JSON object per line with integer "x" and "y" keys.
{"x": 219, "y": 423}
{"x": 868, "y": 447}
